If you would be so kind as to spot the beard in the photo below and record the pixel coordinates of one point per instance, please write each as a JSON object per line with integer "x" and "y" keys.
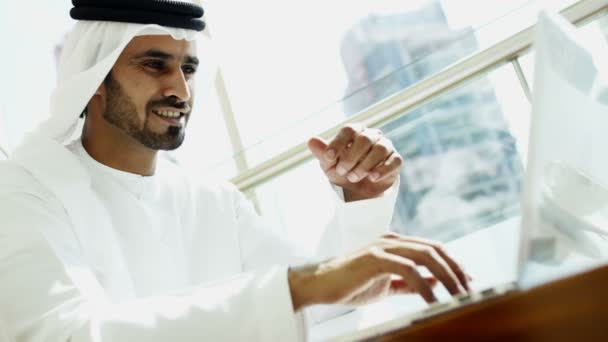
{"x": 121, "y": 112}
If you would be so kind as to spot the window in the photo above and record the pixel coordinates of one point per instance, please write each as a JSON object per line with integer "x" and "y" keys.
{"x": 464, "y": 148}
{"x": 289, "y": 70}
{"x": 462, "y": 168}
{"x": 28, "y": 65}
{"x": 284, "y": 62}
{"x": 466, "y": 171}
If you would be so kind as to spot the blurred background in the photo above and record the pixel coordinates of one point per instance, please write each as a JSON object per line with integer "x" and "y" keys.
{"x": 282, "y": 71}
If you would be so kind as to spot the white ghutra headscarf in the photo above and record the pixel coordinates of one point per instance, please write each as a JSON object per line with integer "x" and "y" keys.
{"x": 89, "y": 53}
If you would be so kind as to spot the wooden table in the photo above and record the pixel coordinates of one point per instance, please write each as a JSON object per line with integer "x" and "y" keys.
{"x": 571, "y": 309}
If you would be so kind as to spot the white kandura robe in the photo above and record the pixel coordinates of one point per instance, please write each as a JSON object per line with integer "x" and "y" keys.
{"x": 95, "y": 254}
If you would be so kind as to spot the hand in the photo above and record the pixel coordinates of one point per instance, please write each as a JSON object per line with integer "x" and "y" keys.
{"x": 360, "y": 160}
{"x": 386, "y": 266}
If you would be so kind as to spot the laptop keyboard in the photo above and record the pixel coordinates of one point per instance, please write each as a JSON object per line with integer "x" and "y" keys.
{"x": 462, "y": 300}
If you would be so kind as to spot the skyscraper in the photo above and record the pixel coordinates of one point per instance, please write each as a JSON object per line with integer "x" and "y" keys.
{"x": 461, "y": 169}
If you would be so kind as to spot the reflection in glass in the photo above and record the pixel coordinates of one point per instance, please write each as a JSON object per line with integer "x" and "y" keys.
{"x": 383, "y": 54}
{"x": 360, "y": 52}
{"x": 462, "y": 171}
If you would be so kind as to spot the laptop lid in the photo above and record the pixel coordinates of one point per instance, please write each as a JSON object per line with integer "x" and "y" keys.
{"x": 565, "y": 194}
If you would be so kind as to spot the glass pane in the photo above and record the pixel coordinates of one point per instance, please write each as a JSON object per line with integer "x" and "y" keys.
{"x": 462, "y": 169}
{"x": 296, "y": 203}
{"x": 28, "y": 63}
{"x": 284, "y": 64}
{"x": 207, "y": 140}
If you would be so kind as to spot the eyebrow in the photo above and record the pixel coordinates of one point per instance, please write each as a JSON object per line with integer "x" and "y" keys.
{"x": 191, "y": 60}
{"x": 166, "y": 56}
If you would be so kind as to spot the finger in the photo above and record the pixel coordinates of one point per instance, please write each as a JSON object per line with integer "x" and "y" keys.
{"x": 395, "y": 264}
{"x": 378, "y": 153}
{"x": 318, "y": 146}
{"x": 388, "y": 168}
{"x": 338, "y": 146}
{"x": 428, "y": 257}
{"x": 400, "y": 286}
{"x": 461, "y": 274}
{"x": 361, "y": 146}
{"x": 456, "y": 267}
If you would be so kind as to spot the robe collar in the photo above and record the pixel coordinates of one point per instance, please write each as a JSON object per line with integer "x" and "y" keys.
{"x": 141, "y": 187}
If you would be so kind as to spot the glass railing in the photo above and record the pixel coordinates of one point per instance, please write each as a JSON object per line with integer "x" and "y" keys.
{"x": 386, "y": 76}
{"x": 279, "y": 82}
{"x": 462, "y": 169}
{"x": 464, "y": 150}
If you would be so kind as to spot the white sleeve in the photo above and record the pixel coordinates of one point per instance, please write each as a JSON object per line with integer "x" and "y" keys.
{"x": 40, "y": 301}
{"x": 352, "y": 225}
{"x": 356, "y": 223}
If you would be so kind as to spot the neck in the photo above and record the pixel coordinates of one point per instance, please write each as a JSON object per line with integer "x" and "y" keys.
{"x": 114, "y": 148}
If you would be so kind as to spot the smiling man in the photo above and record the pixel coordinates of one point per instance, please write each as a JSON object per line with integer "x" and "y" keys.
{"x": 102, "y": 240}
{"x": 145, "y": 102}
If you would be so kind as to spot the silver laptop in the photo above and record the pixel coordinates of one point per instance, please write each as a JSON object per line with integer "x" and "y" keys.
{"x": 565, "y": 200}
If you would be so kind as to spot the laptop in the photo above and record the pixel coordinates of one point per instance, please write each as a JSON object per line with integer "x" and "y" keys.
{"x": 565, "y": 195}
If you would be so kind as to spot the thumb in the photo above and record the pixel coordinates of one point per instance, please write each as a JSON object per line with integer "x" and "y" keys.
{"x": 317, "y": 146}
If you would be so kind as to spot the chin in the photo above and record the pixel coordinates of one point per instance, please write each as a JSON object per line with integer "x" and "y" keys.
{"x": 162, "y": 142}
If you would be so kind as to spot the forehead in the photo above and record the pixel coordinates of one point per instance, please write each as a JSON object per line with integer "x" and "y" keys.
{"x": 164, "y": 43}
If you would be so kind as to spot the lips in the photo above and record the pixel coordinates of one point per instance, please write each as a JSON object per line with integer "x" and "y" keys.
{"x": 170, "y": 116}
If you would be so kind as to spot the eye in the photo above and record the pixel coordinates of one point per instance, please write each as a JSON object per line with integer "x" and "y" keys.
{"x": 189, "y": 69}
{"x": 154, "y": 65}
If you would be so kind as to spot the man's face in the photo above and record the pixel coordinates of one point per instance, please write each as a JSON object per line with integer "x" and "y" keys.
{"x": 149, "y": 91}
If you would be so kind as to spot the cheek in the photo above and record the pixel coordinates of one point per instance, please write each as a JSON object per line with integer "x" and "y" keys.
{"x": 143, "y": 94}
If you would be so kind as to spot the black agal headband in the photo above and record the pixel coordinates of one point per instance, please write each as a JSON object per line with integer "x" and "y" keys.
{"x": 162, "y": 12}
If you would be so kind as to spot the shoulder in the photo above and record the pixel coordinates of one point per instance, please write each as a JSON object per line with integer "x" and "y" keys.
{"x": 23, "y": 200}
{"x": 16, "y": 179}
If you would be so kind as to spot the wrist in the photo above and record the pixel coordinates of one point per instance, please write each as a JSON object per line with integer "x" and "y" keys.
{"x": 302, "y": 281}
{"x": 352, "y": 196}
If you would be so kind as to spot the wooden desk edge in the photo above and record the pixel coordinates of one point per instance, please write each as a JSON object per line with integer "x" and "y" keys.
{"x": 573, "y": 308}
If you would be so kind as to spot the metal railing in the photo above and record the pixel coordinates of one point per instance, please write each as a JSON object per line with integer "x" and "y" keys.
{"x": 3, "y": 152}
{"x": 506, "y": 51}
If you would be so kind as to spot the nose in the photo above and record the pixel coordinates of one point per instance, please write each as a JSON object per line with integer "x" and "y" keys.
{"x": 177, "y": 86}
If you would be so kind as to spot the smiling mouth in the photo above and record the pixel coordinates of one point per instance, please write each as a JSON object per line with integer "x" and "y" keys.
{"x": 171, "y": 117}
{"x": 168, "y": 114}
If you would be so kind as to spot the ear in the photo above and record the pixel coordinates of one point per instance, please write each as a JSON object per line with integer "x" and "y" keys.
{"x": 97, "y": 101}
{"x": 101, "y": 90}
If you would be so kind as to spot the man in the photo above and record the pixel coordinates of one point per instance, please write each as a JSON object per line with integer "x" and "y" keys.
{"x": 101, "y": 240}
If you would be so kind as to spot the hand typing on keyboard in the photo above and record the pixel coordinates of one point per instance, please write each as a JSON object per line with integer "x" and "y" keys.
{"x": 384, "y": 267}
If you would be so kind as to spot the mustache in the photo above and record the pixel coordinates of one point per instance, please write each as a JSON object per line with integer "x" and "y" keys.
{"x": 170, "y": 101}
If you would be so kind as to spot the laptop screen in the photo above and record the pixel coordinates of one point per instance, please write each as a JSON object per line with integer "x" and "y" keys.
{"x": 565, "y": 195}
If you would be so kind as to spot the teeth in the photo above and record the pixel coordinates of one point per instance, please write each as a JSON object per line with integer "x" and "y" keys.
{"x": 168, "y": 114}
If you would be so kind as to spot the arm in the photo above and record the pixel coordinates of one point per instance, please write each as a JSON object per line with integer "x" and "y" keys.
{"x": 356, "y": 223}
{"x": 363, "y": 166}
{"x": 42, "y": 298}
